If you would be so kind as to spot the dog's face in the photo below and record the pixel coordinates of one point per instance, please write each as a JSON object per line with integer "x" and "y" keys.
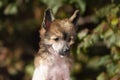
{"x": 58, "y": 35}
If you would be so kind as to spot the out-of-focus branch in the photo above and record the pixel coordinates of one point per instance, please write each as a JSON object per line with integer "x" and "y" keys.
{"x": 85, "y": 20}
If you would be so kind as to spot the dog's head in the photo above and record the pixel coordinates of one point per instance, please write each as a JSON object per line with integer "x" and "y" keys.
{"x": 58, "y": 35}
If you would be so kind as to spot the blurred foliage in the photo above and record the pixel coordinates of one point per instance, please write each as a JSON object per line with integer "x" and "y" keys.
{"x": 96, "y": 52}
{"x": 56, "y": 5}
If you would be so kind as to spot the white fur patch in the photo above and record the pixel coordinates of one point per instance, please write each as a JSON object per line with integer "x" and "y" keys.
{"x": 40, "y": 73}
{"x": 58, "y": 47}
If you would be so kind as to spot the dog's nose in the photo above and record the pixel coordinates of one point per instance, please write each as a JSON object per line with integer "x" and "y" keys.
{"x": 66, "y": 50}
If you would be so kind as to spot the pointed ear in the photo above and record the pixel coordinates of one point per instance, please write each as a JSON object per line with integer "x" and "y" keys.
{"x": 48, "y": 18}
{"x": 74, "y": 18}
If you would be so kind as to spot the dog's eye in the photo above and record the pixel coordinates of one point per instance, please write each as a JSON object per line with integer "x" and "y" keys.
{"x": 69, "y": 39}
{"x": 56, "y": 39}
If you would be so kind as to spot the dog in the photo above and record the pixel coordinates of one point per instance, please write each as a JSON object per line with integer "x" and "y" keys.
{"x": 53, "y": 61}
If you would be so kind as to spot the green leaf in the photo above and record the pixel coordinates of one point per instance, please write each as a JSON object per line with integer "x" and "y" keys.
{"x": 1, "y": 4}
{"x": 29, "y": 69}
{"x": 114, "y": 22}
{"x": 11, "y": 9}
{"x": 81, "y": 5}
{"x": 104, "y": 60}
{"x": 111, "y": 69}
{"x": 102, "y": 76}
{"x": 117, "y": 40}
{"x": 82, "y": 34}
{"x": 53, "y": 4}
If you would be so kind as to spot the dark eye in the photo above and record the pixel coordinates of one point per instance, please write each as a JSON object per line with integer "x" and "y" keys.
{"x": 69, "y": 39}
{"x": 56, "y": 39}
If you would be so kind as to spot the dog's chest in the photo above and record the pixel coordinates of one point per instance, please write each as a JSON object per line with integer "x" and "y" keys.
{"x": 52, "y": 69}
{"x": 59, "y": 70}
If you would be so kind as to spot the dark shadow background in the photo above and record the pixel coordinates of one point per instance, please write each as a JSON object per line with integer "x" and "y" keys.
{"x": 96, "y": 52}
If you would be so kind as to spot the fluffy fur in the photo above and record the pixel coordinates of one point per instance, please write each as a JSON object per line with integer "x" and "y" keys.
{"x": 53, "y": 60}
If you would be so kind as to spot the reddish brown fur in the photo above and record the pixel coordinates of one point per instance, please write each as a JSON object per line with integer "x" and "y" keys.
{"x": 56, "y": 67}
{"x": 47, "y": 59}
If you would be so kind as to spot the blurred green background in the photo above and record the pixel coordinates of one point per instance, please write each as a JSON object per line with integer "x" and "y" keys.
{"x": 96, "y": 52}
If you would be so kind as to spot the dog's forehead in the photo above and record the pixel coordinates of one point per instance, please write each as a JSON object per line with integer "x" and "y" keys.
{"x": 66, "y": 24}
{"x": 62, "y": 25}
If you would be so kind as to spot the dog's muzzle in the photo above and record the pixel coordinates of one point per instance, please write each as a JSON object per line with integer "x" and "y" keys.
{"x": 61, "y": 48}
{"x": 65, "y": 51}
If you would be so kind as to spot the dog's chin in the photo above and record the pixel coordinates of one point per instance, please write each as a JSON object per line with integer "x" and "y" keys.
{"x": 63, "y": 54}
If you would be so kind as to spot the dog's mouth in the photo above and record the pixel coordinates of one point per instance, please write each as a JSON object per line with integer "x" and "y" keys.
{"x": 63, "y": 55}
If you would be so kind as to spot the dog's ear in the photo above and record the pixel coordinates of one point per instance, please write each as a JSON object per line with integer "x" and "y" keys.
{"x": 74, "y": 18}
{"x": 48, "y": 18}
